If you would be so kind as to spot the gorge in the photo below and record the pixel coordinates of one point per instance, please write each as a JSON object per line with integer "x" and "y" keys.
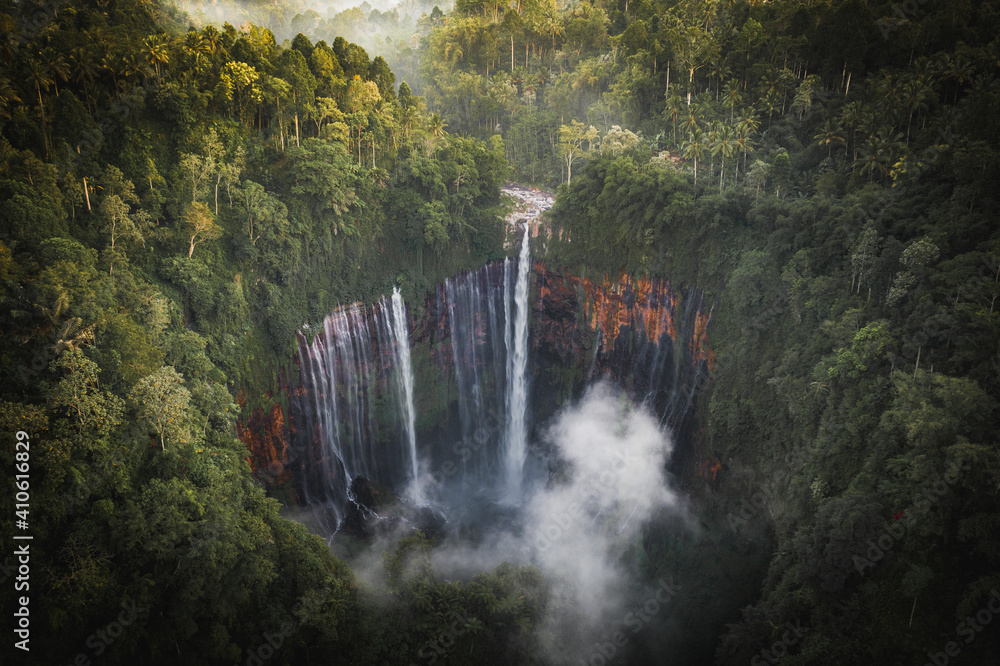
{"x": 537, "y": 333}
{"x": 553, "y": 418}
{"x": 470, "y": 380}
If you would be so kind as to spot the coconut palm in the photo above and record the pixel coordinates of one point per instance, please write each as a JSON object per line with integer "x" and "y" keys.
{"x": 731, "y": 96}
{"x": 958, "y": 69}
{"x": 851, "y": 118}
{"x": 877, "y": 154}
{"x": 744, "y": 143}
{"x": 726, "y": 146}
{"x": 672, "y": 109}
{"x": 770, "y": 102}
{"x": 831, "y": 133}
{"x": 41, "y": 76}
{"x": 58, "y": 67}
{"x": 694, "y": 148}
{"x": 914, "y": 95}
{"x": 156, "y": 50}
{"x": 83, "y": 69}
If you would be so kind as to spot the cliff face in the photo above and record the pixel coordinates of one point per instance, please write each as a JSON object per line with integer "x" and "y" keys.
{"x": 642, "y": 334}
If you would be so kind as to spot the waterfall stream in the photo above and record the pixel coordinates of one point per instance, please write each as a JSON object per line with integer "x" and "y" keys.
{"x": 404, "y": 377}
{"x": 516, "y": 443}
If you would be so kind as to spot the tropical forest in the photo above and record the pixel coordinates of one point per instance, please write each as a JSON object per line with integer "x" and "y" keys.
{"x": 545, "y": 332}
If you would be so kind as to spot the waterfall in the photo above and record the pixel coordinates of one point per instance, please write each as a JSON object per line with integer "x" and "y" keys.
{"x": 354, "y": 413}
{"x": 404, "y": 377}
{"x": 475, "y": 319}
{"x": 517, "y": 365}
{"x": 359, "y": 363}
{"x": 336, "y": 367}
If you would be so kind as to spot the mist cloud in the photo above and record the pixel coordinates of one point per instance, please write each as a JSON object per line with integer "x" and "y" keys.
{"x": 608, "y": 458}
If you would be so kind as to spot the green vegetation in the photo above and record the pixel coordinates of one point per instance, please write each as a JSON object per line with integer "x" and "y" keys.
{"x": 849, "y": 239}
{"x": 174, "y": 204}
{"x": 177, "y": 201}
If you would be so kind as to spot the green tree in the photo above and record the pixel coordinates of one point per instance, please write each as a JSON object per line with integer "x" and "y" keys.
{"x": 116, "y": 209}
{"x": 571, "y": 140}
{"x": 199, "y": 222}
{"x": 77, "y": 396}
{"x": 162, "y": 400}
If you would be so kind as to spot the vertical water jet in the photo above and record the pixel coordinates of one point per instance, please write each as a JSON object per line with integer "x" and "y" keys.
{"x": 400, "y": 336}
{"x": 516, "y": 448}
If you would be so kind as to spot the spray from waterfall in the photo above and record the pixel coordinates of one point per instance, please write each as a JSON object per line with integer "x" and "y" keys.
{"x": 517, "y": 370}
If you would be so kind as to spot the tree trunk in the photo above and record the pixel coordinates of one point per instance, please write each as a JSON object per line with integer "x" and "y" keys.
{"x": 86, "y": 194}
{"x": 296, "y": 129}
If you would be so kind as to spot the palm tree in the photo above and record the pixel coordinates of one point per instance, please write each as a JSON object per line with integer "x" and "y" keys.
{"x": 213, "y": 39}
{"x": 694, "y": 148}
{"x": 725, "y": 144}
{"x": 40, "y": 75}
{"x": 552, "y": 25}
{"x": 436, "y": 126}
{"x": 196, "y": 49}
{"x": 713, "y": 131}
{"x": 731, "y": 96}
{"x": 851, "y": 118}
{"x": 829, "y": 135}
{"x": 770, "y": 103}
{"x": 156, "y": 51}
{"x": 134, "y": 66}
{"x": 83, "y": 70}
{"x": 718, "y": 70}
{"x": 744, "y": 136}
{"x": 744, "y": 143}
{"x": 691, "y": 122}
{"x": 958, "y": 68}
{"x": 878, "y": 152}
{"x": 914, "y": 93}
{"x": 58, "y": 67}
{"x": 672, "y": 109}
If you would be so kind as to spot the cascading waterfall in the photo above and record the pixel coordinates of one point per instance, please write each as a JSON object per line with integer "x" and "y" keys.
{"x": 404, "y": 378}
{"x": 360, "y": 358}
{"x": 516, "y": 440}
{"x": 476, "y": 303}
{"x": 355, "y": 413}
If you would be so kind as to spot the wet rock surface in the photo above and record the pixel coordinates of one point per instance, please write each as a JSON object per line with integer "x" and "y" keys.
{"x": 531, "y": 203}
{"x": 375, "y": 511}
